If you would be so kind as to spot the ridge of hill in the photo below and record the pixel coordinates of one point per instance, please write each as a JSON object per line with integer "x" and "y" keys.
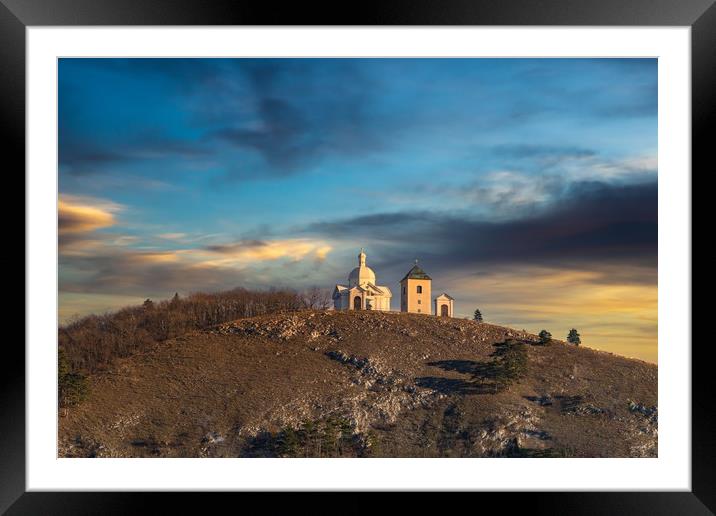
{"x": 361, "y": 383}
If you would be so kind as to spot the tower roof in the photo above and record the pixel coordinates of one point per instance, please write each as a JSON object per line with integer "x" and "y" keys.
{"x": 416, "y": 273}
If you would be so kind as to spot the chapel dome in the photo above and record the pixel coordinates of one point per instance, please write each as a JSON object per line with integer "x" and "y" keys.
{"x": 361, "y": 274}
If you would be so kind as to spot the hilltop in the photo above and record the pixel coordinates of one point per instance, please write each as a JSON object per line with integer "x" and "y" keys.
{"x": 327, "y": 383}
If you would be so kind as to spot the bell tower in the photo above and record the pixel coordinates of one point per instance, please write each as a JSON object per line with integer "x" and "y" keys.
{"x": 415, "y": 291}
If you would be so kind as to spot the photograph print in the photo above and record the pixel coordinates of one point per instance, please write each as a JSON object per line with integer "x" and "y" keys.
{"x": 357, "y": 257}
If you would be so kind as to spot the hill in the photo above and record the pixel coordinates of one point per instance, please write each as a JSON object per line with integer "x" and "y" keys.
{"x": 354, "y": 384}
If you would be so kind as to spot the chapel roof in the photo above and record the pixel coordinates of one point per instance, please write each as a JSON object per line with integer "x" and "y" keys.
{"x": 416, "y": 273}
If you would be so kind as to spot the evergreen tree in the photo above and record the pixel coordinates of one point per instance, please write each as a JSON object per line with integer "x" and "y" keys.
{"x": 71, "y": 387}
{"x": 573, "y": 337}
{"x": 288, "y": 443}
{"x": 175, "y": 300}
{"x": 478, "y": 315}
{"x": 545, "y": 337}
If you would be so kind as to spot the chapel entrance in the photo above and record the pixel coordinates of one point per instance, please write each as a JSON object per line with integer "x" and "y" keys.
{"x": 356, "y": 303}
{"x": 444, "y": 311}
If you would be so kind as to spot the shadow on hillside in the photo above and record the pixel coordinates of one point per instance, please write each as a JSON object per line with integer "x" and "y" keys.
{"x": 509, "y": 364}
{"x": 480, "y": 382}
{"x": 477, "y": 370}
{"x": 569, "y": 403}
{"x": 455, "y": 385}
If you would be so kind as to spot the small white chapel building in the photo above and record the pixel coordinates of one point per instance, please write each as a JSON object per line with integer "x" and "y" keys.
{"x": 362, "y": 293}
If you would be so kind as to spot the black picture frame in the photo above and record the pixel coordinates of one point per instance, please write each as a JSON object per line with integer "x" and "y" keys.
{"x": 17, "y": 15}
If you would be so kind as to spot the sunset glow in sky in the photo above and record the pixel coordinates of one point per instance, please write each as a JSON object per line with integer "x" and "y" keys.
{"x": 525, "y": 187}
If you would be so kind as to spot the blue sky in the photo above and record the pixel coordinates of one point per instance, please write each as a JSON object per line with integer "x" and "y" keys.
{"x": 204, "y": 174}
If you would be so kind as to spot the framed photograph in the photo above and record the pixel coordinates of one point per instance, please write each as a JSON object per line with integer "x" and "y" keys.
{"x": 426, "y": 248}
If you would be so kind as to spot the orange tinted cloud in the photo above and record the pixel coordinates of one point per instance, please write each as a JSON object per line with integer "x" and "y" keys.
{"x": 83, "y": 214}
{"x": 263, "y": 250}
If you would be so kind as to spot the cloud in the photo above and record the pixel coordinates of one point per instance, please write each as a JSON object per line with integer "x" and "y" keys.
{"x": 592, "y": 222}
{"x": 81, "y": 214}
{"x": 283, "y": 116}
{"x": 293, "y": 125}
{"x": 284, "y": 139}
{"x": 267, "y": 250}
{"x": 95, "y": 262}
{"x": 79, "y": 219}
{"x": 98, "y": 267}
{"x": 86, "y": 154}
{"x": 611, "y": 311}
{"x": 541, "y": 151}
{"x": 573, "y": 163}
{"x": 131, "y": 272}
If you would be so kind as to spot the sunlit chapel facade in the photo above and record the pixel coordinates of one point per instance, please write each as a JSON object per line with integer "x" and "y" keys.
{"x": 362, "y": 293}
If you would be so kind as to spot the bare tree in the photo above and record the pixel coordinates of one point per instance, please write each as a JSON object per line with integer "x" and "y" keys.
{"x": 317, "y": 298}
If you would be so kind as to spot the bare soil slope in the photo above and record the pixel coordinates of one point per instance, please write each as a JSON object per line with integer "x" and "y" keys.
{"x": 364, "y": 384}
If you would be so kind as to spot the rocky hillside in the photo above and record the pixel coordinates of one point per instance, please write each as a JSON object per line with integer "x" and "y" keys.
{"x": 359, "y": 384}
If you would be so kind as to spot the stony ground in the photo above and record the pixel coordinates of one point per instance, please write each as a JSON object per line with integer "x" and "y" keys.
{"x": 402, "y": 385}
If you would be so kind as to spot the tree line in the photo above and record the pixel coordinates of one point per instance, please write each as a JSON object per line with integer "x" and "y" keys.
{"x": 91, "y": 343}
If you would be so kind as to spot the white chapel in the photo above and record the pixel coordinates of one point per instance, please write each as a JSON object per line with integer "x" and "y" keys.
{"x": 361, "y": 293}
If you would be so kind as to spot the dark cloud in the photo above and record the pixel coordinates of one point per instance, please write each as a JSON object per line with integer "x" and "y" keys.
{"x": 541, "y": 151}
{"x": 285, "y": 139}
{"x": 288, "y": 112}
{"x": 80, "y": 156}
{"x": 235, "y": 246}
{"x": 592, "y": 223}
{"x": 300, "y": 122}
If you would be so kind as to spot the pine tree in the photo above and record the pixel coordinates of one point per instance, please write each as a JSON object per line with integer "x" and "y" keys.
{"x": 545, "y": 337}
{"x": 478, "y": 315}
{"x": 573, "y": 337}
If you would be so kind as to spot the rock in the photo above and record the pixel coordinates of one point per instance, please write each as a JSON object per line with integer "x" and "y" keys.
{"x": 212, "y": 438}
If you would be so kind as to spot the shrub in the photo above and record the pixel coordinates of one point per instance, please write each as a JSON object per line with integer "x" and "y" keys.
{"x": 573, "y": 337}
{"x": 545, "y": 337}
{"x": 478, "y": 315}
{"x": 71, "y": 386}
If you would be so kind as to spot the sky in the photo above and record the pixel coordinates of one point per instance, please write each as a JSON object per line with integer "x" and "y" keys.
{"x": 526, "y": 188}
